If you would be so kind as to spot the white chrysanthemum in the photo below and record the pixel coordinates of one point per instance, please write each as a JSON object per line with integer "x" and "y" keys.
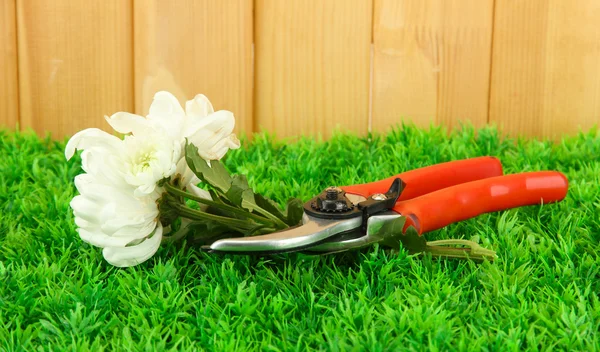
{"x": 138, "y": 162}
{"x": 211, "y": 132}
{"x": 116, "y": 208}
{"x": 112, "y": 218}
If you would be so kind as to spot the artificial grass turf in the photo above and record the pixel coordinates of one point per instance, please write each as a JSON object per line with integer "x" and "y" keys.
{"x": 542, "y": 293}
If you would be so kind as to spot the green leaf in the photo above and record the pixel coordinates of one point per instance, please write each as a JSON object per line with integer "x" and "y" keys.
{"x": 215, "y": 175}
{"x": 236, "y": 192}
{"x": 270, "y": 206}
{"x": 207, "y": 231}
{"x": 235, "y": 195}
{"x": 210, "y": 229}
{"x": 391, "y": 234}
{"x": 219, "y": 198}
{"x": 223, "y": 211}
{"x": 411, "y": 240}
{"x": 295, "y": 211}
{"x": 291, "y": 216}
{"x": 241, "y": 194}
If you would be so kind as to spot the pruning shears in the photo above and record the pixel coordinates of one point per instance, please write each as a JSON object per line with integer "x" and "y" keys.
{"x": 402, "y": 208}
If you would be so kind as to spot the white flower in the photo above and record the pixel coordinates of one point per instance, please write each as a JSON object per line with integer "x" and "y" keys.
{"x": 149, "y": 158}
{"x": 139, "y": 161}
{"x": 211, "y": 132}
{"x": 112, "y": 218}
{"x": 116, "y": 208}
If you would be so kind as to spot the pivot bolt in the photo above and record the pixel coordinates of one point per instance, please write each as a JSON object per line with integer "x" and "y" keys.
{"x": 332, "y": 192}
{"x": 332, "y": 199}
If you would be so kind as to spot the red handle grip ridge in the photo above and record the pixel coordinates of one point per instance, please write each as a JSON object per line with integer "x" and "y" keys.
{"x": 447, "y": 206}
{"x": 432, "y": 178}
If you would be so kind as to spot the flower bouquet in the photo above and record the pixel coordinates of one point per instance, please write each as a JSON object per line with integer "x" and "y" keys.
{"x": 141, "y": 190}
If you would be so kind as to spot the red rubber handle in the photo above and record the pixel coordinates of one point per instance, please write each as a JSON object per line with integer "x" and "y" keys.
{"x": 432, "y": 178}
{"x": 444, "y": 207}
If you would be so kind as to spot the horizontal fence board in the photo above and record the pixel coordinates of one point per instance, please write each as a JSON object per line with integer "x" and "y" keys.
{"x": 75, "y": 63}
{"x": 195, "y": 47}
{"x": 431, "y": 62}
{"x": 9, "y": 97}
{"x": 546, "y": 67}
{"x": 312, "y": 66}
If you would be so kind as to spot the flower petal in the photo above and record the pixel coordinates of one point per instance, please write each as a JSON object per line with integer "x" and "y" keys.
{"x": 221, "y": 147}
{"x": 186, "y": 174}
{"x": 110, "y": 215}
{"x": 88, "y": 186}
{"x": 124, "y": 122}
{"x": 208, "y": 137}
{"x": 166, "y": 113}
{"x": 144, "y": 190}
{"x": 97, "y": 238}
{"x": 134, "y": 255}
{"x": 198, "y": 107}
{"x": 221, "y": 120}
{"x": 164, "y": 104}
{"x": 88, "y": 138}
{"x": 134, "y": 227}
{"x": 86, "y": 209}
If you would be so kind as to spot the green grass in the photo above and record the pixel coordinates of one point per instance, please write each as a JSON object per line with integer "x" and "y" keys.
{"x": 542, "y": 293}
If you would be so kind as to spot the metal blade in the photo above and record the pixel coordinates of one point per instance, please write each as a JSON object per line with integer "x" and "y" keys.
{"x": 356, "y": 239}
{"x": 313, "y": 230}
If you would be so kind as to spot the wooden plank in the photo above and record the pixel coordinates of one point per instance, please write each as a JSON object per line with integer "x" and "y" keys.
{"x": 195, "y": 47}
{"x": 312, "y": 66}
{"x": 546, "y": 67}
{"x": 9, "y": 97}
{"x": 431, "y": 62}
{"x": 75, "y": 63}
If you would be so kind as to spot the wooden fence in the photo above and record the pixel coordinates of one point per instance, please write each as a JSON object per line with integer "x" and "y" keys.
{"x": 532, "y": 67}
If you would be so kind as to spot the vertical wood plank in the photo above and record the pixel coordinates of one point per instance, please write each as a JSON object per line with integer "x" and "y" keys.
{"x": 312, "y": 66}
{"x": 75, "y": 63}
{"x": 546, "y": 67}
{"x": 195, "y": 47}
{"x": 431, "y": 62}
{"x": 9, "y": 97}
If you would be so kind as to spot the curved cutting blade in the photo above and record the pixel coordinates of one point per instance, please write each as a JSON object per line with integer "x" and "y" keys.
{"x": 313, "y": 230}
{"x": 356, "y": 239}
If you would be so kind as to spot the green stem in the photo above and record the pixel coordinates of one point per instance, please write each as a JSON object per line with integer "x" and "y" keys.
{"x": 265, "y": 231}
{"x": 179, "y": 192}
{"x": 200, "y": 215}
{"x": 271, "y": 216}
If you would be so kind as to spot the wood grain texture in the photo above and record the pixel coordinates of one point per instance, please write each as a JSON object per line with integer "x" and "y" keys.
{"x": 9, "y": 96}
{"x": 431, "y": 62}
{"x": 312, "y": 66}
{"x": 195, "y": 47}
{"x": 546, "y": 67}
{"x": 75, "y": 63}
